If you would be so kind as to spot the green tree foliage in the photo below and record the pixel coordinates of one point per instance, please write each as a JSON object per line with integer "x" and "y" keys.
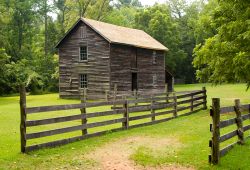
{"x": 218, "y": 30}
{"x": 225, "y": 57}
{"x": 158, "y": 22}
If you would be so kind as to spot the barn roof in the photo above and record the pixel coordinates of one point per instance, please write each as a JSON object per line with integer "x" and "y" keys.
{"x": 121, "y": 35}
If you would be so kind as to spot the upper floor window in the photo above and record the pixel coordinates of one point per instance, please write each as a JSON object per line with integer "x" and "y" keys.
{"x": 154, "y": 57}
{"x": 83, "y": 32}
{"x": 83, "y": 53}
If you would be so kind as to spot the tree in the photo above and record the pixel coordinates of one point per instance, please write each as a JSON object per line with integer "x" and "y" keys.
{"x": 158, "y": 22}
{"x": 225, "y": 57}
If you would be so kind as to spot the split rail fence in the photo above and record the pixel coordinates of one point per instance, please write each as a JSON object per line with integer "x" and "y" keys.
{"x": 218, "y": 124}
{"x": 159, "y": 108}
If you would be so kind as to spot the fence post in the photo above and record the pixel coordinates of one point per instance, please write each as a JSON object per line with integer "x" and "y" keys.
{"x": 166, "y": 91}
{"x": 239, "y": 122}
{"x": 115, "y": 93}
{"x": 205, "y": 98}
{"x": 215, "y": 113}
{"x": 152, "y": 109}
{"x": 23, "y": 117}
{"x": 136, "y": 97}
{"x": 192, "y": 103}
{"x": 126, "y": 114}
{"x": 175, "y": 105}
{"x": 83, "y": 110}
{"x": 106, "y": 95}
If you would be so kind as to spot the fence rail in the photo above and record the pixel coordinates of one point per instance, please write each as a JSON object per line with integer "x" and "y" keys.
{"x": 129, "y": 111}
{"x": 218, "y": 124}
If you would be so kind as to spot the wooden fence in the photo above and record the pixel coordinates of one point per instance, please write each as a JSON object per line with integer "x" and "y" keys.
{"x": 167, "y": 105}
{"x": 218, "y": 124}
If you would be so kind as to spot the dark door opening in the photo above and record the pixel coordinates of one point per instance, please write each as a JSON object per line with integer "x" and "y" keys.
{"x": 134, "y": 81}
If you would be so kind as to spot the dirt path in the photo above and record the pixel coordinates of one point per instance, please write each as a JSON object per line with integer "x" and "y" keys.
{"x": 116, "y": 155}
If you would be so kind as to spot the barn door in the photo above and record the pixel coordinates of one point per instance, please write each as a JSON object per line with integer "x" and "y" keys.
{"x": 134, "y": 81}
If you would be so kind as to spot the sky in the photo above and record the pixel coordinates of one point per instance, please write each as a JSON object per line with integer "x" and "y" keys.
{"x": 151, "y": 2}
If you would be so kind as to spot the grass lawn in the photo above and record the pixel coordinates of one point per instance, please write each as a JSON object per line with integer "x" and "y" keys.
{"x": 191, "y": 132}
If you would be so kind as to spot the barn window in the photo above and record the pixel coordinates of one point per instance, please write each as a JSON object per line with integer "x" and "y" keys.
{"x": 83, "y": 81}
{"x": 83, "y": 53}
{"x": 154, "y": 57}
{"x": 154, "y": 80}
{"x": 83, "y": 32}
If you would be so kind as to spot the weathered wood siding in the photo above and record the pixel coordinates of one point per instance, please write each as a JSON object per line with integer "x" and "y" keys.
{"x": 122, "y": 67}
{"x": 147, "y": 69}
{"x": 97, "y": 67}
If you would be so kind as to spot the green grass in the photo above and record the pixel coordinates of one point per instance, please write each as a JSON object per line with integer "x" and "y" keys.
{"x": 192, "y": 132}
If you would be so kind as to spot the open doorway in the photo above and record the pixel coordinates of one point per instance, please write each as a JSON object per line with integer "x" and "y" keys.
{"x": 134, "y": 82}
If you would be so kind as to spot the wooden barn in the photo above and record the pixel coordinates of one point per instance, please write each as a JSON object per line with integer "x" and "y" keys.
{"x": 97, "y": 55}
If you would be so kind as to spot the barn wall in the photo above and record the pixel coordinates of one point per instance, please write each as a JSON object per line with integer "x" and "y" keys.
{"x": 147, "y": 69}
{"x": 120, "y": 63}
{"x": 122, "y": 67}
{"x": 97, "y": 67}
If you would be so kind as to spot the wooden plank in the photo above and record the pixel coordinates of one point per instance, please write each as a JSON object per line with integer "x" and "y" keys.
{"x": 183, "y": 108}
{"x": 107, "y": 122}
{"x": 190, "y": 100}
{"x": 164, "y": 112}
{"x": 162, "y": 105}
{"x": 151, "y": 123}
{"x": 247, "y": 127}
{"x": 144, "y": 100}
{"x": 53, "y": 143}
{"x": 246, "y": 107}
{"x": 71, "y": 106}
{"x": 225, "y": 150}
{"x": 191, "y": 112}
{"x": 72, "y": 128}
{"x": 245, "y": 117}
{"x": 141, "y": 117}
{"x": 228, "y": 122}
{"x": 198, "y": 104}
{"x": 226, "y": 109}
{"x": 105, "y": 113}
{"x": 69, "y": 140}
{"x": 189, "y": 94}
{"x": 53, "y": 120}
{"x": 71, "y": 118}
{"x": 228, "y": 136}
{"x": 54, "y": 132}
{"x": 139, "y": 108}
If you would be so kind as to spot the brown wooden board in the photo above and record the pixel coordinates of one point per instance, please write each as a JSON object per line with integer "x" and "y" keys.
{"x": 227, "y": 109}
{"x": 228, "y": 122}
{"x": 70, "y": 106}
{"x": 71, "y": 129}
{"x": 247, "y": 127}
{"x": 245, "y": 117}
{"x": 225, "y": 150}
{"x": 69, "y": 140}
{"x": 228, "y": 136}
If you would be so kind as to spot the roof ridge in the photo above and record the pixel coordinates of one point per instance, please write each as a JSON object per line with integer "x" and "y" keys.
{"x": 110, "y": 24}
